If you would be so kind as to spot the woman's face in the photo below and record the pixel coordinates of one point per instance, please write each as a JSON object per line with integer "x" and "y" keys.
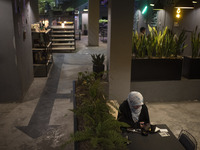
{"x": 136, "y": 107}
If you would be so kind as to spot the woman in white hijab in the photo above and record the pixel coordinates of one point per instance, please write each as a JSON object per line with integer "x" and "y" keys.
{"x": 133, "y": 111}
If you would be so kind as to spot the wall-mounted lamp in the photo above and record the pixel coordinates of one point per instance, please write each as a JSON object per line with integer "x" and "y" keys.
{"x": 186, "y": 4}
{"x": 178, "y": 13}
{"x": 85, "y": 10}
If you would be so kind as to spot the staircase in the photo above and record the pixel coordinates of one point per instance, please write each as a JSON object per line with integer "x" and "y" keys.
{"x": 63, "y": 39}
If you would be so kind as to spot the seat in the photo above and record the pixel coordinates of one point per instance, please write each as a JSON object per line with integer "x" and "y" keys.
{"x": 187, "y": 140}
{"x": 114, "y": 107}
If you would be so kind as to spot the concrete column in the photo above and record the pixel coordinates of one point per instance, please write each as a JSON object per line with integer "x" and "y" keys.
{"x": 120, "y": 27}
{"x": 93, "y": 23}
{"x": 34, "y": 11}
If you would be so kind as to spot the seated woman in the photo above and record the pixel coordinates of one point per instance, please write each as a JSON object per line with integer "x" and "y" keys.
{"x": 133, "y": 111}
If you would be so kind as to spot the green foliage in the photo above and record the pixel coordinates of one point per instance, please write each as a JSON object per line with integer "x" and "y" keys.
{"x": 195, "y": 41}
{"x": 158, "y": 43}
{"x": 45, "y": 4}
{"x": 103, "y": 20}
{"x": 98, "y": 59}
{"x": 180, "y": 43}
{"x": 69, "y": 9}
{"x": 138, "y": 46}
{"x": 101, "y": 129}
{"x": 151, "y": 43}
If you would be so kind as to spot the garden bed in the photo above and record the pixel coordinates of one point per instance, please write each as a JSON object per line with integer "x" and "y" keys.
{"x": 95, "y": 127}
{"x": 156, "y": 69}
{"x": 191, "y": 68}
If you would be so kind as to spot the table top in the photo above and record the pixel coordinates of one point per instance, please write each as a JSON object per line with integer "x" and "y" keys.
{"x": 154, "y": 141}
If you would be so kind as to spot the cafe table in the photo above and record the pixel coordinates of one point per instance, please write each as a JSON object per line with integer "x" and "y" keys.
{"x": 153, "y": 141}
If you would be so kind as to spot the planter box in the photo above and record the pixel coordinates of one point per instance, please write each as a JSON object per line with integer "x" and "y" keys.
{"x": 191, "y": 68}
{"x": 156, "y": 69}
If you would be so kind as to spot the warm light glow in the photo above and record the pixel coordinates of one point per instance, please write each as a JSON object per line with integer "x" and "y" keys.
{"x": 178, "y": 15}
{"x": 194, "y": 2}
{"x": 65, "y": 21}
{"x": 178, "y": 10}
{"x": 85, "y": 9}
{"x": 63, "y": 25}
{"x": 144, "y": 10}
{"x": 152, "y": 5}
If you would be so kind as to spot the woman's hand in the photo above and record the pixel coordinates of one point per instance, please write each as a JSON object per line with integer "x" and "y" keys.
{"x": 141, "y": 124}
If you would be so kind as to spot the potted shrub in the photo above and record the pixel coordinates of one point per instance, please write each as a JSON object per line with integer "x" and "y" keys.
{"x": 157, "y": 55}
{"x": 191, "y": 65}
{"x": 96, "y": 128}
{"x": 98, "y": 63}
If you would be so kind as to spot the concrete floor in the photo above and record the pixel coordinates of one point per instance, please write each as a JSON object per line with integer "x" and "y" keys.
{"x": 42, "y": 121}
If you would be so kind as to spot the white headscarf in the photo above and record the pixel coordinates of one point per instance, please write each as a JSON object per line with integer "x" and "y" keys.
{"x": 135, "y": 99}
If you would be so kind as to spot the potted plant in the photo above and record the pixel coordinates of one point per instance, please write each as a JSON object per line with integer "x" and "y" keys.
{"x": 191, "y": 65}
{"x": 96, "y": 128}
{"x": 98, "y": 63}
{"x": 156, "y": 56}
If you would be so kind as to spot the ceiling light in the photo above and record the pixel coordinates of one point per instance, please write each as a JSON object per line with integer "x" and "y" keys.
{"x": 144, "y": 10}
{"x": 184, "y": 5}
{"x": 152, "y": 4}
{"x": 194, "y": 2}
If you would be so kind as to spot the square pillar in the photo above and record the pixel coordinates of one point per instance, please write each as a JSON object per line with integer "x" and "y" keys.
{"x": 120, "y": 28}
{"x": 93, "y": 23}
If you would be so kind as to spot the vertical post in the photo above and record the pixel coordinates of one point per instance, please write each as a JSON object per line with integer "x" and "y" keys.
{"x": 93, "y": 23}
{"x": 120, "y": 28}
{"x": 34, "y": 11}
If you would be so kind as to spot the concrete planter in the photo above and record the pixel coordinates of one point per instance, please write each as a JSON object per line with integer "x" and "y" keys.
{"x": 98, "y": 68}
{"x": 156, "y": 69}
{"x": 191, "y": 68}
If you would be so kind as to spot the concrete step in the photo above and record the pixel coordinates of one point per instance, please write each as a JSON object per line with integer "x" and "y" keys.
{"x": 57, "y": 40}
{"x": 63, "y": 49}
{"x": 62, "y": 28}
{"x": 63, "y": 44}
{"x": 62, "y": 35}
{"x": 62, "y": 31}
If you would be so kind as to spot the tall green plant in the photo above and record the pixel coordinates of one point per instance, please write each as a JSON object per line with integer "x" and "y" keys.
{"x": 158, "y": 43}
{"x": 151, "y": 42}
{"x": 195, "y": 41}
{"x": 139, "y": 46}
{"x": 180, "y": 43}
{"x": 169, "y": 44}
{"x": 160, "y": 49}
{"x": 101, "y": 130}
{"x": 98, "y": 59}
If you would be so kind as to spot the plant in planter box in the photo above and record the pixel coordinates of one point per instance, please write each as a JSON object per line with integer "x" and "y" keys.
{"x": 180, "y": 43}
{"x": 195, "y": 39}
{"x": 98, "y": 66}
{"x": 99, "y": 129}
{"x": 138, "y": 45}
{"x": 191, "y": 65}
{"x": 159, "y": 47}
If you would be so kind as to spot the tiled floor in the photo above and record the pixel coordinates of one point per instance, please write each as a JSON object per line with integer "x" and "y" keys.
{"x": 44, "y": 116}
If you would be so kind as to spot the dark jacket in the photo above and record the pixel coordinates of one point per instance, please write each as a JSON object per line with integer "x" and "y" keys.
{"x": 124, "y": 115}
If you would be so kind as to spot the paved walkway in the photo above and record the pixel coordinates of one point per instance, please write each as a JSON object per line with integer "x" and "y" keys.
{"x": 42, "y": 121}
